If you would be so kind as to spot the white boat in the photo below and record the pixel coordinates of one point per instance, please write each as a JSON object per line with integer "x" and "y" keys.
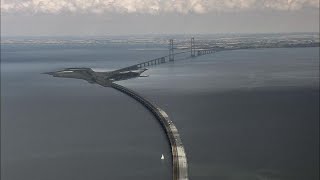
{"x": 162, "y": 157}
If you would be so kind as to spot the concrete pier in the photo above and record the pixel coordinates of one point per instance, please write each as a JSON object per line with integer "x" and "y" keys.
{"x": 179, "y": 158}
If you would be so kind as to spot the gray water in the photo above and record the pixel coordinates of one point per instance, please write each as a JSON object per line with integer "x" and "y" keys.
{"x": 244, "y": 114}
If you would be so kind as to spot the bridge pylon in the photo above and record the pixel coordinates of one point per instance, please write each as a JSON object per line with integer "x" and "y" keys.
{"x": 171, "y": 52}
{"x": 193, "y": 48}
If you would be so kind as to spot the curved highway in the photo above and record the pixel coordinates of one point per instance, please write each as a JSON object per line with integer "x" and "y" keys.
{"x": 179, "y": 158}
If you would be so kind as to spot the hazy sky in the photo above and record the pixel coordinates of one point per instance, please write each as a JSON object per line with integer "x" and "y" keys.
{"x": 116, "y": 17}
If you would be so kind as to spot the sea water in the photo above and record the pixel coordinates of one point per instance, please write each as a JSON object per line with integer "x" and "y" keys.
{"x": 243, "y": 114}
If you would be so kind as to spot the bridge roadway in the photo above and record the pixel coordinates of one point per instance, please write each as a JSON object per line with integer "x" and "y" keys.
{"x": 179, "y": 158}
{"x": 164, "y": 59}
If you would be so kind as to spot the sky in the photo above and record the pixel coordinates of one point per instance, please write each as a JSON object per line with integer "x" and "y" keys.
{"x": 126, "y": 17}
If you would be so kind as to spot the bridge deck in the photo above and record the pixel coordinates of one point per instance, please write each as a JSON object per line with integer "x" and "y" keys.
{"x": 169, "y": 58}
{"x": 179, "y": 158}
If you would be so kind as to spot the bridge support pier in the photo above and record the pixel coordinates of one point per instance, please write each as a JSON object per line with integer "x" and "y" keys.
{"x": 163, "y": 60}
{"x": 171, "y": 52}
{"x": 193, "y": 49}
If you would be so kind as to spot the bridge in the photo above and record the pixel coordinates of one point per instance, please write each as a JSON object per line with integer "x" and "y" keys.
{"x": 108, "y": 79}
{"x": 179, "y": 158}
{"x": 174, "y": 49}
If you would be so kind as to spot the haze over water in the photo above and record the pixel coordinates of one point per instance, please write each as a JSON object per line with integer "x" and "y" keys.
{"x": 243, "y": 114}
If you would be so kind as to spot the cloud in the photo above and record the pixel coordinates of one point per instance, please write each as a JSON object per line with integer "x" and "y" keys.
{"x": 150, "y": 6}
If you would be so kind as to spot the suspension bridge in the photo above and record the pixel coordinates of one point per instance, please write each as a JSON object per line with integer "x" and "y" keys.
{"x": 174, "y": 50}
{"x": 107, "y": 79}
{"x": 179, "y": 157}
{"x": 194, "y": 49}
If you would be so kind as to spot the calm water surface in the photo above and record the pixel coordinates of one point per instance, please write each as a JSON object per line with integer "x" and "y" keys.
{"x": 245, "y": 114}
